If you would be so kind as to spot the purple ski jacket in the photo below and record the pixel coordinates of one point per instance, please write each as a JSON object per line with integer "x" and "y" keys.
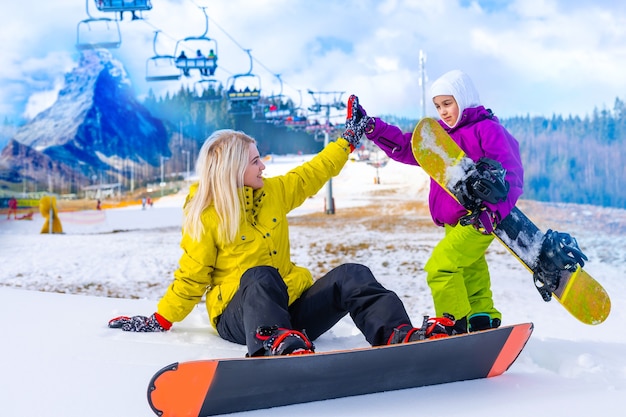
{"x": 478, "y": 133}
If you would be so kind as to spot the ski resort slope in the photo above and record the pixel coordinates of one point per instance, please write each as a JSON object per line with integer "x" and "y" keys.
{"x": 57, "y": 293}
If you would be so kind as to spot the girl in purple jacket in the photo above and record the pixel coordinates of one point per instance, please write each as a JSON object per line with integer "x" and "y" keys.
{"x": 457, "y": 270}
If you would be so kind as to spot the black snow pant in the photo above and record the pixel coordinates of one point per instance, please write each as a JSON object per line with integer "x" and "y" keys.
{"x": 262, "y": 300}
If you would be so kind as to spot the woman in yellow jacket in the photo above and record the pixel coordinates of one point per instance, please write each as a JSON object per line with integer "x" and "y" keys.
{"x": 236, "y": 251}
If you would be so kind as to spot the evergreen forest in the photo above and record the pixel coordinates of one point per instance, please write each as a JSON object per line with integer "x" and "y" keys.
{"x": 573, "y": 159}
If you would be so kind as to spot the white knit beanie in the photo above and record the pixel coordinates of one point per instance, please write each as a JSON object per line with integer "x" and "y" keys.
{"x": 458, "y": 84}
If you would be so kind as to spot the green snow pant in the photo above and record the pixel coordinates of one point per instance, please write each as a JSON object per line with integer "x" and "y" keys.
{"x": 458, "y": 276}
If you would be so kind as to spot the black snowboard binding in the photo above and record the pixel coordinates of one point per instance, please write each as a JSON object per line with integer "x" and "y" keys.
{"x": 483, "y": 183}
{"x": 559, "y": 253}
{"x": 432, "y": 328}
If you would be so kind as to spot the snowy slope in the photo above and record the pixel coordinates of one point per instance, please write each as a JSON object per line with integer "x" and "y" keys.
{"x": 58, "y": 292}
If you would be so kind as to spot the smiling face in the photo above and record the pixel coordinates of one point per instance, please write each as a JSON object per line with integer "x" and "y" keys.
{"x": 253, "y": 176}
{"x": 447, "y": 108}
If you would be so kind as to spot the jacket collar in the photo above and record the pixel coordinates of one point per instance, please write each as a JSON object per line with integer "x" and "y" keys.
{"x": 253, "y": 199}
{"x": 471, "y": 116}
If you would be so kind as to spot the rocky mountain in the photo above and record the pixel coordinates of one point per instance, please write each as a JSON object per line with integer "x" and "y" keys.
{"x": 18, "y": 161}
{"x": 96, "y": 125}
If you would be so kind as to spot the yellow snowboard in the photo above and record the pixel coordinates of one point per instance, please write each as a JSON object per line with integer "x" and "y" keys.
{"x": 442, "y": 159}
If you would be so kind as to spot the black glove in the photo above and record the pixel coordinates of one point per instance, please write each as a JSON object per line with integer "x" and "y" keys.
{"x": 357, "y": 121}
{"x": 154, "y": 323}
{"x": 483, "y": 220}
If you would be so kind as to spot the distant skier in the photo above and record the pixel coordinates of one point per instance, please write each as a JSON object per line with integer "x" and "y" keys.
{"x": 202, "y": 63}
{"x": 12, "y": 208}
{"x": 181, "y": 62}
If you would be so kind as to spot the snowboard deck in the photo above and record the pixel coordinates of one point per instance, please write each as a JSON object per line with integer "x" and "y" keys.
{"x": 578, "y": 292}
{"x": 219, "y": 386}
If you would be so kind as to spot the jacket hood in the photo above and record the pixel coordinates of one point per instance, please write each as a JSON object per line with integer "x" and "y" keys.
{"x": 459, "y": 85}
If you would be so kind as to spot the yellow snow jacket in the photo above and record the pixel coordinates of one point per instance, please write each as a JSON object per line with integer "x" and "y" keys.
{"x": 213, "y": 268}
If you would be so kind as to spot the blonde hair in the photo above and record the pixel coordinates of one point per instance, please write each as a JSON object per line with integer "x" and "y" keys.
{"x": 220, "y": 166}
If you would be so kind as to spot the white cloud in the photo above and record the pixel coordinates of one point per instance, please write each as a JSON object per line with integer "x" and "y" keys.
{"x": 40, "y": 101}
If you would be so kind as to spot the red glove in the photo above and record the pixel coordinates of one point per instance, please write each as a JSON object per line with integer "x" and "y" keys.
{"x": 357, "y": 121}
{"x": 154, "y": 323}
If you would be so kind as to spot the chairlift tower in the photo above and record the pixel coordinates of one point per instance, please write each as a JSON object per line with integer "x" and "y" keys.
{"x": 326, "y": 100}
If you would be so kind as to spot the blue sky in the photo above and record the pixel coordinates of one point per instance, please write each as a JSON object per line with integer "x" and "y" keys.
{"x": 537, "y": 57}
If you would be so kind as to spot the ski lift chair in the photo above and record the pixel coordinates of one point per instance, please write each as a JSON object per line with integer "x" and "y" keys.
{"x": 99, "y": 32}
{"x": 161, "y": 67}
{"x": 243, "y": 93}
{"x": 196, "y": 60}
{"x": 121, "y": 6}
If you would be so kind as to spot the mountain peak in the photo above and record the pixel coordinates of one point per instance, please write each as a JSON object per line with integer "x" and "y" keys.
{"x": 96, "y": 119}
{"x": 53, "y": 127}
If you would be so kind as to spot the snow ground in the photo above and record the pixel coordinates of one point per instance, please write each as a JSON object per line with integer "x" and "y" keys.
{"x": 57, "y": 293}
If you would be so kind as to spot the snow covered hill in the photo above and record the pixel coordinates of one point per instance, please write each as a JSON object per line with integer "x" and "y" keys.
{"x": 57, "y": 293}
